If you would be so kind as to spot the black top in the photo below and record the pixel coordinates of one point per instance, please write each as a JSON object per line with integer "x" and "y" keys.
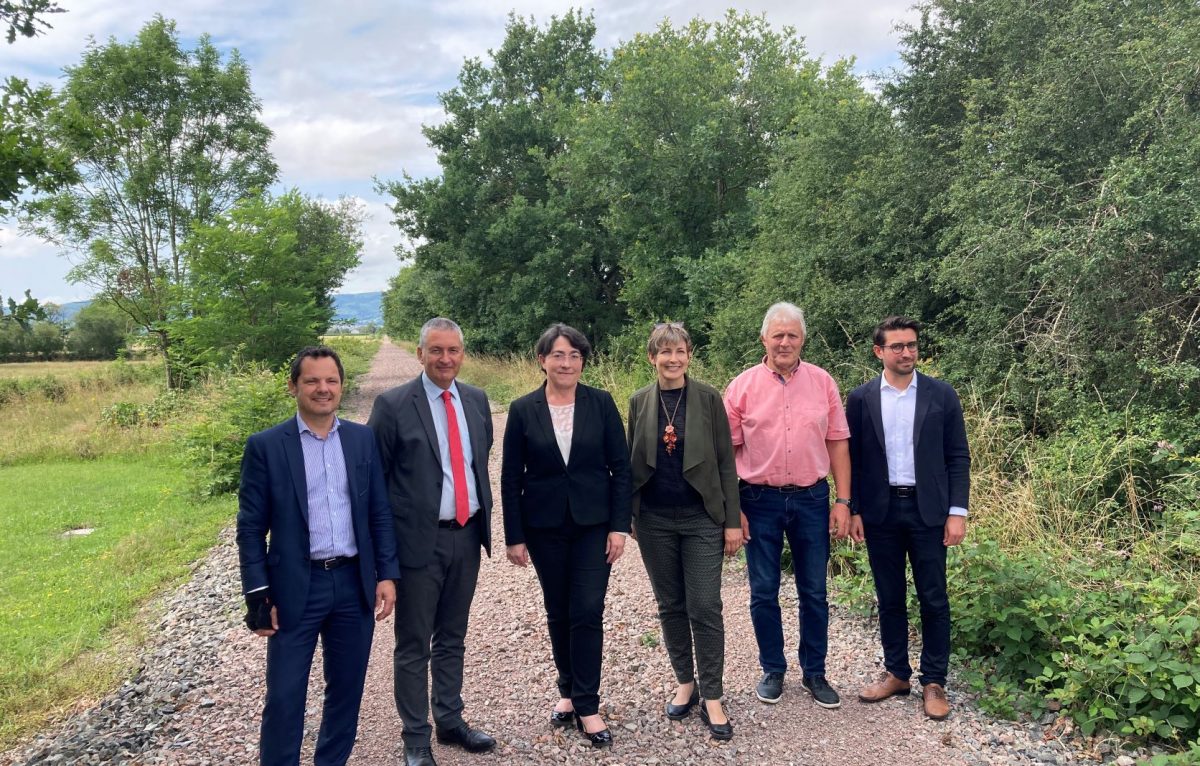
{"x": 667, "y": 488}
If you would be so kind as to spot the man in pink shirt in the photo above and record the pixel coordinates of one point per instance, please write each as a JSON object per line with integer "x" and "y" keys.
{"x": 789, "y": 434}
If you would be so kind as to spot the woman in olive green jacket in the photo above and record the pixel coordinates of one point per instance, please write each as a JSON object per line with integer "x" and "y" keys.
{"x": 686, "y": 514}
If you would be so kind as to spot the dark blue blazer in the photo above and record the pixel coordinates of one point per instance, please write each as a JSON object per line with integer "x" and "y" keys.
{"x": 943, "y": 460}
{"x": 273, "y": 499}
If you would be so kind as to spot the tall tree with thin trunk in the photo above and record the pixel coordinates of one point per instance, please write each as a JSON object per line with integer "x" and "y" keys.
{"x": 163, "y": 139}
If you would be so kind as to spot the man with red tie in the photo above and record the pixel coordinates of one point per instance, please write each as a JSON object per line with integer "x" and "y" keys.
{"x": 434, "y": 435}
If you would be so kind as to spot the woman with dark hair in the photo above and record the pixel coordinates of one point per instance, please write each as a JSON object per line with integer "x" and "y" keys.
{"x": 565, "y": 489}
{"x": 687, "y": 513}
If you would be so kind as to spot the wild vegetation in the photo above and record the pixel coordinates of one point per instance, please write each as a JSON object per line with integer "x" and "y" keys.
{"x": 133, "y": 484}
{"x": 1024, "y": 183}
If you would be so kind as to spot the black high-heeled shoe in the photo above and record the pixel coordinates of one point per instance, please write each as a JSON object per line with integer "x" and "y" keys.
{"x": 562, "y": 718}
{"x": 721, "y": 731}
{"x": 602, "y": 738}
{"x": 679, "y": 712}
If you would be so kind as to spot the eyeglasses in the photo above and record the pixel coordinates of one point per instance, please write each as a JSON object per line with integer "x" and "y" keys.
{"x": 672, "y": 325}
{"x": 559, "y": 356}
{"x": 896, "y": 348}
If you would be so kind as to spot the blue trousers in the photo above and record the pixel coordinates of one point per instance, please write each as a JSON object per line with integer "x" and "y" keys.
{"x": 803, "y": 518}
{"x": 336, "y": 612}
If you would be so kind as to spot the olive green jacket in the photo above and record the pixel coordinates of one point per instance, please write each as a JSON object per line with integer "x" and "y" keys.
{"x": 707, "y": 449}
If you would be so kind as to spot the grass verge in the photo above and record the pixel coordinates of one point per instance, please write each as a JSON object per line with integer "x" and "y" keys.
{"x": 62, "y": 596}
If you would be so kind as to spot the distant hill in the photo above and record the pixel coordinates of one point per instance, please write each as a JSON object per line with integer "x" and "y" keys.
{"x": 350, "y": 308}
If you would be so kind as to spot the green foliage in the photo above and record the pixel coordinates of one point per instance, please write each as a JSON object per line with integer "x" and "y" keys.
{"x": 163, "y": 139}
{"x": 261, "y": 280}
{"x": 25, "y": 17}
{"x": 99, "y": 331}
{"x": 239, "y": 405}
{"x": 28, "y": 161}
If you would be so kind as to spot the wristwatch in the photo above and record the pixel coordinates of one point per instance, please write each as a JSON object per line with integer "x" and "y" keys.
{"x": 846, "y": 502}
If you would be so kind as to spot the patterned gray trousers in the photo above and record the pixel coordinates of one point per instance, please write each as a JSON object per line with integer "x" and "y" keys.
{"x": 682, "y": 549}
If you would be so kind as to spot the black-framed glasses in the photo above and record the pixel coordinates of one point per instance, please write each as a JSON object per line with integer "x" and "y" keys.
{"x": 897, "y": 348}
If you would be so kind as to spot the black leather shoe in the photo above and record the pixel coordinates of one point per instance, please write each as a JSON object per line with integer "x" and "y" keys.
{"x": 471, "y": 740}
{"x": 602, "y": 738}
{"x": 562, "y": 719}
{"x": 679, "y": 712}
{"x": 721, "y": 731}
{"x": 418, "y": 756}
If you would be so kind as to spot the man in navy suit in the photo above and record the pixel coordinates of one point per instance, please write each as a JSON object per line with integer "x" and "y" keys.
{"x": 315, "y": 485}
{"x": 910, "y": 469}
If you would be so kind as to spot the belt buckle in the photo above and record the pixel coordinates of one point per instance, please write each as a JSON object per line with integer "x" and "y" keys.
{"x": 328, "y": 564}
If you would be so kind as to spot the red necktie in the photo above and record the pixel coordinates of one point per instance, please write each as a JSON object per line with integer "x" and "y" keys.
{"x": 458, "y": 466}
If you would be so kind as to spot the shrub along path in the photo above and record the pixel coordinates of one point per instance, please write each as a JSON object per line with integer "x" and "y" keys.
{"x": 198, "y": 696}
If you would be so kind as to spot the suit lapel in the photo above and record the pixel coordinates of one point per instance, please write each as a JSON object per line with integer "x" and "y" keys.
{"x": 476, "y": 435}
{"x": 541, "y": 413}
{"x": 924, "y": 394}
{"x": 694, "y": 424}
{"x": 295, "y": 460}
{"x": 649, "y": 434}
{"x": 349, "y": 458}
{"x": 874, "y": 411}
{"x": 582, "y": 410}
{"x": 422, "y": 404}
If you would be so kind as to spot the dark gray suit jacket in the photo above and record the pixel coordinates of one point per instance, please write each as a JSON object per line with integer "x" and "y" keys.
{"x": 403, "y": 426}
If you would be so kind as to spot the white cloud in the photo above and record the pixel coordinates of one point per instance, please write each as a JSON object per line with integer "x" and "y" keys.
{"x": 379, "y": 260}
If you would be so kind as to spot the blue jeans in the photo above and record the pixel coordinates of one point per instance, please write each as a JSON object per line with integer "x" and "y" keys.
{"x": 803, "y": 516}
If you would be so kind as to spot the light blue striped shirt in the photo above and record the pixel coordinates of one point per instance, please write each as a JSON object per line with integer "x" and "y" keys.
{"x": 437, "y": 407}
{"x": 330, "y": 529}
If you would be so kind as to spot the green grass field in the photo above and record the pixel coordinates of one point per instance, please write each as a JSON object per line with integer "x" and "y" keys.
{"x": 62, "y": 596}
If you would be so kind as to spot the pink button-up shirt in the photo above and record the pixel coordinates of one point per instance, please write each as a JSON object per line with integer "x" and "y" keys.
{"x": 780, "y": 427}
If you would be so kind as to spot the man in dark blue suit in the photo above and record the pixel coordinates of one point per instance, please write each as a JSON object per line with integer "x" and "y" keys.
{"x": 315, "y": 485}
{"x": 910, "y": 469}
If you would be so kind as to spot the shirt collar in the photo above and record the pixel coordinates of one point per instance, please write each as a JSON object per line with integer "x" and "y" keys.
{"x": 434, "y": 391}
{"x": 883, "y": 384}
{"x": 778, "y": 376}
{"x": 301, "y": 426}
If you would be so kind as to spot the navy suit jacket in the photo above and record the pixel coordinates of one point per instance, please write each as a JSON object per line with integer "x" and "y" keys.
{"x": 273, "y": 499}
{"x": 412, "y": 463}
{"x": 538, "y": 488}
{"x": 940, "y": 452}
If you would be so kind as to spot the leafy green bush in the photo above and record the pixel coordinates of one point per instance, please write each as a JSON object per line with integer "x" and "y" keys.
{"x": 121, "y": 415}
{"x": 238, "y": 405}
{"x": 1115, "y": 642}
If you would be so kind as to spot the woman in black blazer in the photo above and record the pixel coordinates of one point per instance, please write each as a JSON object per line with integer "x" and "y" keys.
{"x": 565, "y": 486}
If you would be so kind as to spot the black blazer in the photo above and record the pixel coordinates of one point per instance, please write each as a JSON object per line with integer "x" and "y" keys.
{"x": 273, "y": 498}
{"x": 538, "y": 489}
{"x": 412, "y": 463}
{"x": 940, "y": 452}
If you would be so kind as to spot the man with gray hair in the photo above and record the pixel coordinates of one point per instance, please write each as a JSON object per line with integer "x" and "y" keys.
{"x": 434, "y": 435}
{"x": 789, "y": 434}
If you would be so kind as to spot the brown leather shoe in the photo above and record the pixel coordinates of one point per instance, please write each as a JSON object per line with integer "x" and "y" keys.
{"x": 937, "y": 706}
{"x": 885, "y": 687}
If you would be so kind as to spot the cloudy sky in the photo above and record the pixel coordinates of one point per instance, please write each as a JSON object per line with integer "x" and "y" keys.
{"x": 346, "y": 87}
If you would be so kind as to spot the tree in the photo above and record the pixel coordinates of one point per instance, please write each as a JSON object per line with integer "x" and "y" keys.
{"x": 22, "y": 17}
{"x": 99, "y": 331}
{"x": 506, "y": 249}
{"x": 262, "y": 278}
{"x": 27, "y": 160}
{"x": 675, "y": 150}
{"x": 163, "y": 139}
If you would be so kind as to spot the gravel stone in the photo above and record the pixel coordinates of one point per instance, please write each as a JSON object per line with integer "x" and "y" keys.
{"x": 196, "y": 696}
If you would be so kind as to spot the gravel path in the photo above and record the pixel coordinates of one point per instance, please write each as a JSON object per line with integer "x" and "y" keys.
{"x": 197, "y": 696}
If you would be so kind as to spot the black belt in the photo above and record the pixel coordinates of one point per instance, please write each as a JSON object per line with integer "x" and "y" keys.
{"x": 903, "y": 491}
{"x": 333, "y": 563}
{"x": 785, "y": 489}
{"x": 453, "y": 523}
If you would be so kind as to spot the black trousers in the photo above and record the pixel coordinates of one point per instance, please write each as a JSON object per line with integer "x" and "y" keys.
{"x": 682, "y": 549}
{"x": 432, "y": 605}
{"x": 903, "y": 534}
{"x": 570, "y": 564}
